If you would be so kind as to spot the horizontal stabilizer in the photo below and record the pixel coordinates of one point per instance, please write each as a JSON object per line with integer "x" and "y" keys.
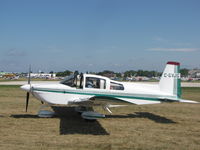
{"x": 188, "y": 101}
{"x": 139, "y": 101}
{"x": 178, "y": 100}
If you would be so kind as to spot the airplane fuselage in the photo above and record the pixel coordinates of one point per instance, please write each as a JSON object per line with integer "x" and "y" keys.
{"x": 63, "y": 94}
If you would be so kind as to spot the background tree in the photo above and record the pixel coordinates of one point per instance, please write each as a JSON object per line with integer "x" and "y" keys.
{"x": 130, "y": 73}
{"x": 184, "y": 72}
{"x": 105, "y": 72}
{"x": 64, "y": 73}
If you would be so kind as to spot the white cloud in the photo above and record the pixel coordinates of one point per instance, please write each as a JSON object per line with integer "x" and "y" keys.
{"x": 15, "y": 53}
{"x": 159, "y": 39}
{"x": 182, "y": 44}
{"x": 54, "y": 49}
{"x": 174, "y": 49}
{"x": 90, "y": 65}
{"x": 162, "y": 40}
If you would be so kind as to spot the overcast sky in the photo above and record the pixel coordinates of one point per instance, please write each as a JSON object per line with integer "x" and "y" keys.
{"x": 94, "y": 35}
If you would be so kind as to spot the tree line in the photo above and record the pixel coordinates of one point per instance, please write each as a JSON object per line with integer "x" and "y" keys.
{"x": 129, "y": 73}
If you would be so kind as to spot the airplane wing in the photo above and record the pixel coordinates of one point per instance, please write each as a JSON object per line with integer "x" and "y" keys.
{"x": 139, "y": 101}
{"x": 89, "y": 102}
{"x": 162, "y": 99}
{"x": 178, "y": 100}
{"x": 187, "y": 101}
{"x": 81, "y": 101}
{"x": 106, "y": 106}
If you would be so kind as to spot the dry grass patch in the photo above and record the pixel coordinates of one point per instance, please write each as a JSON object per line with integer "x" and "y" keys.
{"x": 161, "y": 126}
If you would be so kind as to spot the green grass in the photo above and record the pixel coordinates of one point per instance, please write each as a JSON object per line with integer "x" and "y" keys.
{"x": 160, "y": 126}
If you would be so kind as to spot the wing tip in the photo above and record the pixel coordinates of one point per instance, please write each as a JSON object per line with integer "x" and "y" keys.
{"x": 188, "y": 101}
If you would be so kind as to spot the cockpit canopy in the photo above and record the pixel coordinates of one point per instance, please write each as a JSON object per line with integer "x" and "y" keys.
{"x": 74, "y": 80}
{"x": 91, "y": 81}
{"x": 69, "y": 80}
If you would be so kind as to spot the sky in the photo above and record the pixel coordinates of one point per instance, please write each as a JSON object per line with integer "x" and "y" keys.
{"x": 97, "y": 35}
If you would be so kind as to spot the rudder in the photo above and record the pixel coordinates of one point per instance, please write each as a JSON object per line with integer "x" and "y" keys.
{"x": 170, "y": 81}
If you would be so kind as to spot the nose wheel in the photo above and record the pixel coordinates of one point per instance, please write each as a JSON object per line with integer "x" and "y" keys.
{"x": 45, "y": 111}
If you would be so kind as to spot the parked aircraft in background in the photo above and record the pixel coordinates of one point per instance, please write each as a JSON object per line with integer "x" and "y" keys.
{"x": 83, "y": 89}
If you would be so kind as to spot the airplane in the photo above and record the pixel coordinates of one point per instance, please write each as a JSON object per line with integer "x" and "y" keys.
{"x": 83, "y": 90}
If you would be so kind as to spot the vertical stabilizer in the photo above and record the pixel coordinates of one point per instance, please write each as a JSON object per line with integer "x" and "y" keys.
{"x": 170, "y": 81}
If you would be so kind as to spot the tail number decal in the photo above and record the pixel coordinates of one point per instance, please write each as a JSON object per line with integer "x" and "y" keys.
{"x": 172, "y": 75}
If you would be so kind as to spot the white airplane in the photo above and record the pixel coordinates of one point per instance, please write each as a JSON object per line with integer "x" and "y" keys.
{"x": 82, "y": 91}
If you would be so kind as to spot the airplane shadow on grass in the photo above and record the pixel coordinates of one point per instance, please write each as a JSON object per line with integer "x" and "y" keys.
{"x": 24, "y": 116}
{"x": 71, "y": 122}
{"x": 151, "y": 116}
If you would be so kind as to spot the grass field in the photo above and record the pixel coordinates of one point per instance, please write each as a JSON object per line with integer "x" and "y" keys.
{"x": 160, "y": 126}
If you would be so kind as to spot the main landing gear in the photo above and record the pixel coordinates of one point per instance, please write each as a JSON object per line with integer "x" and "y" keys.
{"x": 87, "y": 113}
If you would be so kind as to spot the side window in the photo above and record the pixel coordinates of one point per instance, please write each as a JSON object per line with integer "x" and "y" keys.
{"x": 116, "y": 86}
{"x": 97, "y": 83}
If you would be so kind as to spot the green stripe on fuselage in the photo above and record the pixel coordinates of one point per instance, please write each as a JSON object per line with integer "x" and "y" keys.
{"x": 179, "y": 92}
{"x": 112, "y": 95}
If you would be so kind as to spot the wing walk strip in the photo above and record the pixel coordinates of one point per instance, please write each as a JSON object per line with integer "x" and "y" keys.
{"x": 100, "y": 94}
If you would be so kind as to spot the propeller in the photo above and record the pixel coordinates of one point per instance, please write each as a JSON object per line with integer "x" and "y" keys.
{"x": 27, "y": 100}
{"x": 28, "y": 93}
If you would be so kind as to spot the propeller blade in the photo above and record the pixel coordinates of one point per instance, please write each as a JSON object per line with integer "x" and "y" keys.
{"x": 27, "y": 100}
{"x": 29, "y": 82}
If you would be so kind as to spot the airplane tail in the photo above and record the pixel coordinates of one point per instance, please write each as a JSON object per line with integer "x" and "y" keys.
{"x": 170, "y": 81}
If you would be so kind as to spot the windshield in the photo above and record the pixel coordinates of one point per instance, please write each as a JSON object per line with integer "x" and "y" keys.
{"x": 69, "y": 80}
{"x": 74, "y": 80}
